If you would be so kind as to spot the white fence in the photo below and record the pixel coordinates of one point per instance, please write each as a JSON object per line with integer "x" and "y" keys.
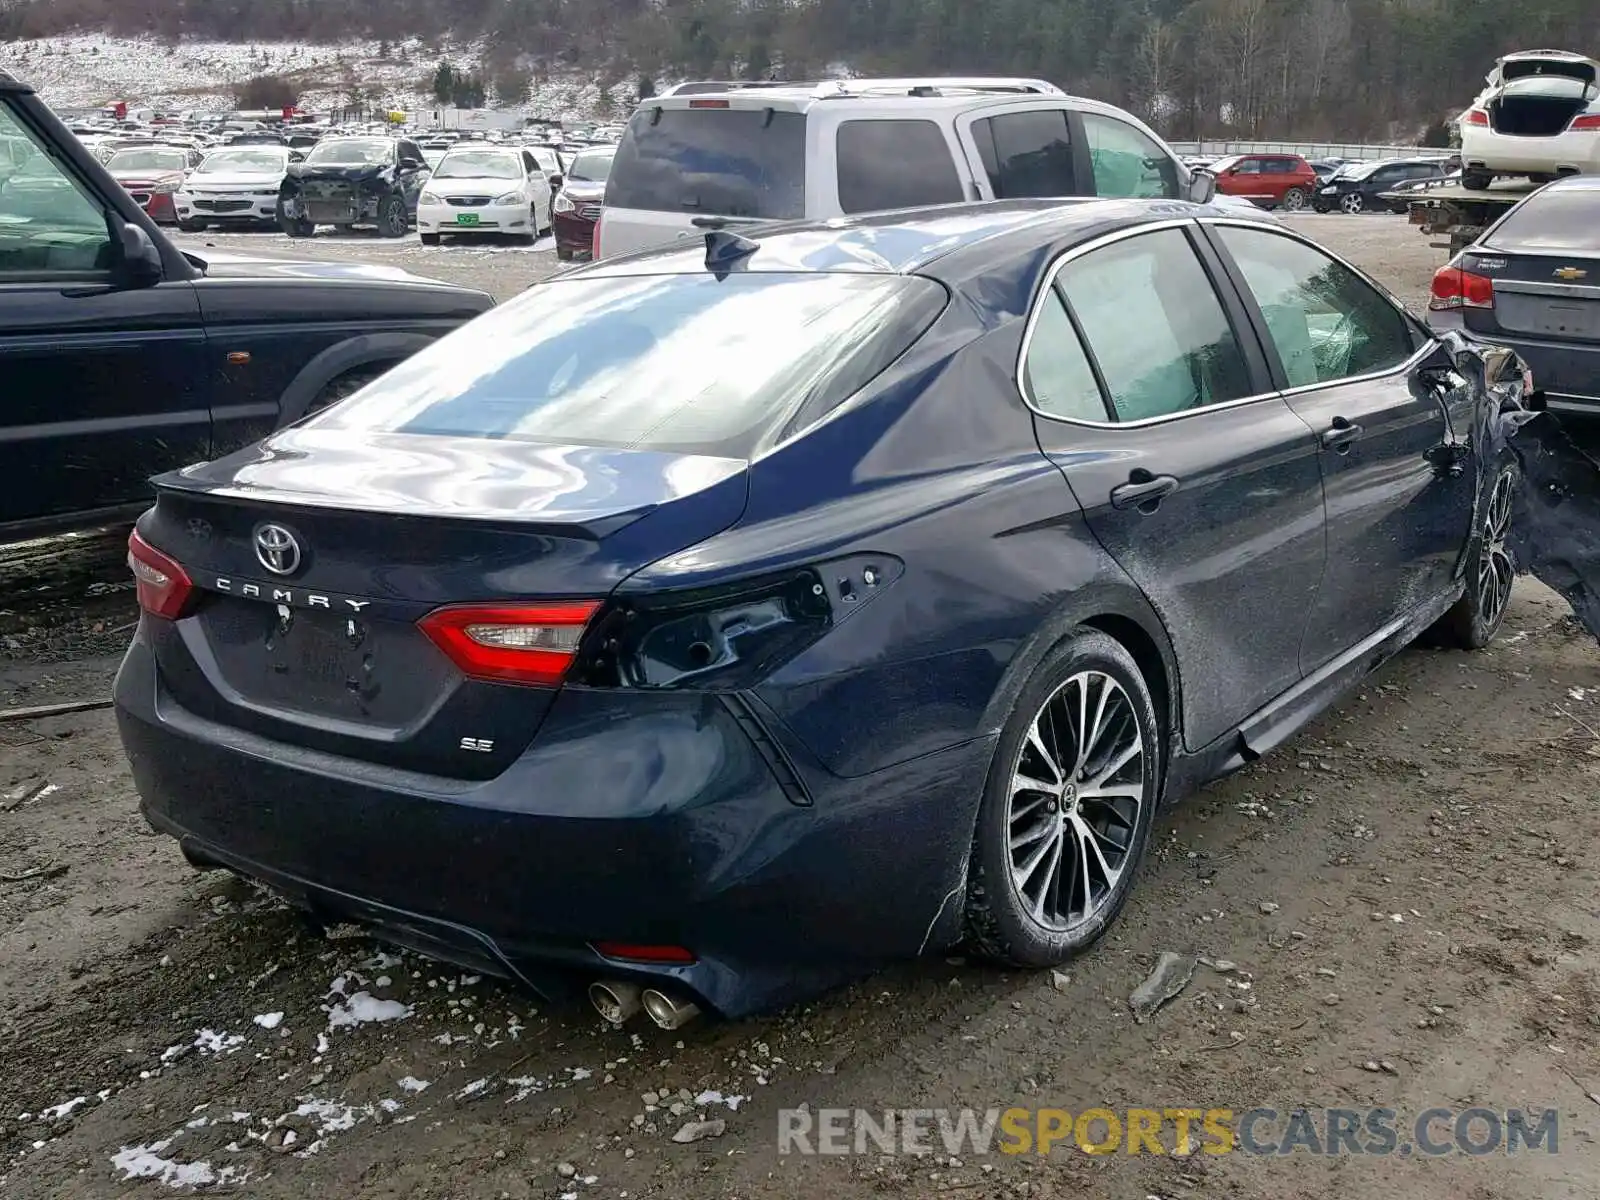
{"x": 1346, "y": 150}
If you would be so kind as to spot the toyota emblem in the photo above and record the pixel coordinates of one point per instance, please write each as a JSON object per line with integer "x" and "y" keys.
{"x": 277, "y": 550}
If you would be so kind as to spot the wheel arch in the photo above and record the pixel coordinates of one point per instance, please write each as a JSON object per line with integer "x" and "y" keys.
{"x": 364, "y": 350}
{"x": 1122, "y": 613}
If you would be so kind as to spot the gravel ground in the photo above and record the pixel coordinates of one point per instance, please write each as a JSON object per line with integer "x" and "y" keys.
{"x": 1400, "y": 906}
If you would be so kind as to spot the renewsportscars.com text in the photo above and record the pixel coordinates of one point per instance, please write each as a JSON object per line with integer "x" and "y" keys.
{"x": 1262, "y": 1132}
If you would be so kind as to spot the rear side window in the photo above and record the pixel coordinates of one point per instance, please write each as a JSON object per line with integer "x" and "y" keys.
{"x": 1154, "y": 324}
{"x": 1553, "y": 219}
{"x": 686, "y": 364}
{"x": 894, "y": 164}
{"x": 1027, "y": 153}
{"x": 731, "y": 162}
{"x": 1056, "y": 374}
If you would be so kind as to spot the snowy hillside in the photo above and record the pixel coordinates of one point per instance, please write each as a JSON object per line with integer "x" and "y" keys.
{"x": 89, "y": 70}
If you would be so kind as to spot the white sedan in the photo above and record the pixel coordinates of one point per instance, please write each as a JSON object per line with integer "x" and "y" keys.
{"x": 236, "y": 185}
{"x": 1539, "y": 116}
{"x": 485, "y": 189}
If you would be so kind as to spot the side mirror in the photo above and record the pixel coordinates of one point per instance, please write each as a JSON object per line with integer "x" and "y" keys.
{"x": 555, "y": 182}
{"x": 139, "y": 258}
{"x": 1202, "y": 187}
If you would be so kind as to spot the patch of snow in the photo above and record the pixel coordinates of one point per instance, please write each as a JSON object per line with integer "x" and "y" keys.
{"x": 209, "y": 1041}
{"x": 580, "y": 1073}
{"x": 364, "y": 1008}
{"x": 715, "y": 1097}
{"x": 332, "y": 1115}
{"x": 412, "y": 1084}
{"x": 472, "y": 1089}
{"x": 66, "y": 1108}
{"x": 269, "y": 1020}
{"x": 146, "y": 1162}
{"x": 526, "y": 1086}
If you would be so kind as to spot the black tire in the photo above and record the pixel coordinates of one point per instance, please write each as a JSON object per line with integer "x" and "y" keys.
{"x": 1476, "y": 181}
{"x": 1294, "y": 200}
{"x": 429, "y": 239}
{"x": 392, "y": 219}
{"x": 998, "y": 921}
{"x": 296, "y": 228}
{"x": 564, "y": 253}
{"x": 191, "y": 226}
{"x": 1476, "y": 618}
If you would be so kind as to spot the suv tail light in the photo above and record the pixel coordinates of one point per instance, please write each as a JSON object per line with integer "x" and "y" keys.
{"x": 1590, "y": 121}
{"x": 1476, "y": 116}
{"x": 1456, "y": 288}
{"x": 163, "y": 587}
{"x": 594, "y": 241}
{"x": 530, "y": 644}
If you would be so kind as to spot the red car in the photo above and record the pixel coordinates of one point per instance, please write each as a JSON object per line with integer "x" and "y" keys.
{"x": 576, "y": 208}
{"x": 152, "y": 174}
{"x": 1270, "y": 180}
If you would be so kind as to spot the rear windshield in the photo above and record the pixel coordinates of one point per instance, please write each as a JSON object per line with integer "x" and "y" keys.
{"x": 1554, "y": 219}
{"x": 731, "y": 162}
{"x": 686, "y": 364}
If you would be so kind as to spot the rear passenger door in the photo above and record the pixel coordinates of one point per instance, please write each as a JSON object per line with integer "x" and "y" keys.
{"x": 1025, "y": 150}
{"x": 1193, "y": 473}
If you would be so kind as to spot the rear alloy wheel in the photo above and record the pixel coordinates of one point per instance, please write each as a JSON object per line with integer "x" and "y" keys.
{"x": 1477, "y": 616}
{"x": 1352, "y": 202}
{"x": 392, "y": 220}
{"x": 1067, "y": 808}
{"x": 1293, "y": 200}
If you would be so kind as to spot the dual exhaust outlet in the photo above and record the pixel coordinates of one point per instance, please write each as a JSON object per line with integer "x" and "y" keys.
{"x": 617, "y": 1001}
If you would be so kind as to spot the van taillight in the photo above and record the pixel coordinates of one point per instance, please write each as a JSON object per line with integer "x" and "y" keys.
{"x": 1456, "y": 288}
{"x": 163, "y": 588}
{"x": 708, "y": 104}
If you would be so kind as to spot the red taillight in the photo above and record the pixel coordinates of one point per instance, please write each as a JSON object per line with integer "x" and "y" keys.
{"x": 531, "y": 644}
{"x": 630, "y": 952}
{"x": 1590, "y": 121}
{"x": 1455, "y": 288}
{"x": 162, "y": 586}
{"x": 594, "y": 241}
{"x": 1476, "y": 116}
{"x": 708, "y": 104}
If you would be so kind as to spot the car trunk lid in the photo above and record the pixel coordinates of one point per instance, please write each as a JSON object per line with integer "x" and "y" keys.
{"x": 320, "y": 646}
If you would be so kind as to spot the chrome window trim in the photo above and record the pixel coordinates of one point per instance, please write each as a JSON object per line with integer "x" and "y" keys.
{"x": 1046, "y": 289}
{"x": 1405, "y": 367}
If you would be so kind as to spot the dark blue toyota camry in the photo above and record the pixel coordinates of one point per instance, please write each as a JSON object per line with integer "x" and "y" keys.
{"x": 707, "y": 626}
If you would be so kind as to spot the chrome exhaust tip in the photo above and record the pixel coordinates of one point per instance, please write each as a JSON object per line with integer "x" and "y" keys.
{"x": 614, "y": 1000}
{"x": 668, "y": 1012}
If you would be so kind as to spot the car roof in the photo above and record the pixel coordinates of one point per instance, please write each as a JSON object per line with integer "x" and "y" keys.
{"x": 810, "y": 99}
{"x": 950, "y": 242}
{"x": 1572, "y": 183}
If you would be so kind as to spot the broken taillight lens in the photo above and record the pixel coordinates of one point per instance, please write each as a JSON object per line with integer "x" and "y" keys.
{"x": 162, "y": 586}
{"x": 1455, "y": 288}
{"x": 531, "y": 644}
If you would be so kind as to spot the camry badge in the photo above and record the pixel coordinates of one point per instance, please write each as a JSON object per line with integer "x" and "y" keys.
{"x": 1570, "y": 272}
{"x": 277, "y": 550}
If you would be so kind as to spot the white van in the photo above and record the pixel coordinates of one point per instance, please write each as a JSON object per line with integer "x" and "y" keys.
{"x": 694, "y": 162}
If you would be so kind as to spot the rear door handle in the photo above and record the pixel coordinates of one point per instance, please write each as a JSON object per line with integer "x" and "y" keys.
{"x": 1143, "y": 491}
{"x": 1341, "y": 435}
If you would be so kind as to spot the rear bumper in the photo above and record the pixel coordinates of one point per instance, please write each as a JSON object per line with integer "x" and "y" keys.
{"x": 1493, "y": 151}
{"x": 643, "y": 819}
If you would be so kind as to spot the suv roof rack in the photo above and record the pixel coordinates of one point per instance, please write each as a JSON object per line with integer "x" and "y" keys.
{"x": 936, "y": 86}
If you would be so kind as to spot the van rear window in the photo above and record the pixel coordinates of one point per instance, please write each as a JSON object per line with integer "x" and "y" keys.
{"x": 726, "y": 162}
